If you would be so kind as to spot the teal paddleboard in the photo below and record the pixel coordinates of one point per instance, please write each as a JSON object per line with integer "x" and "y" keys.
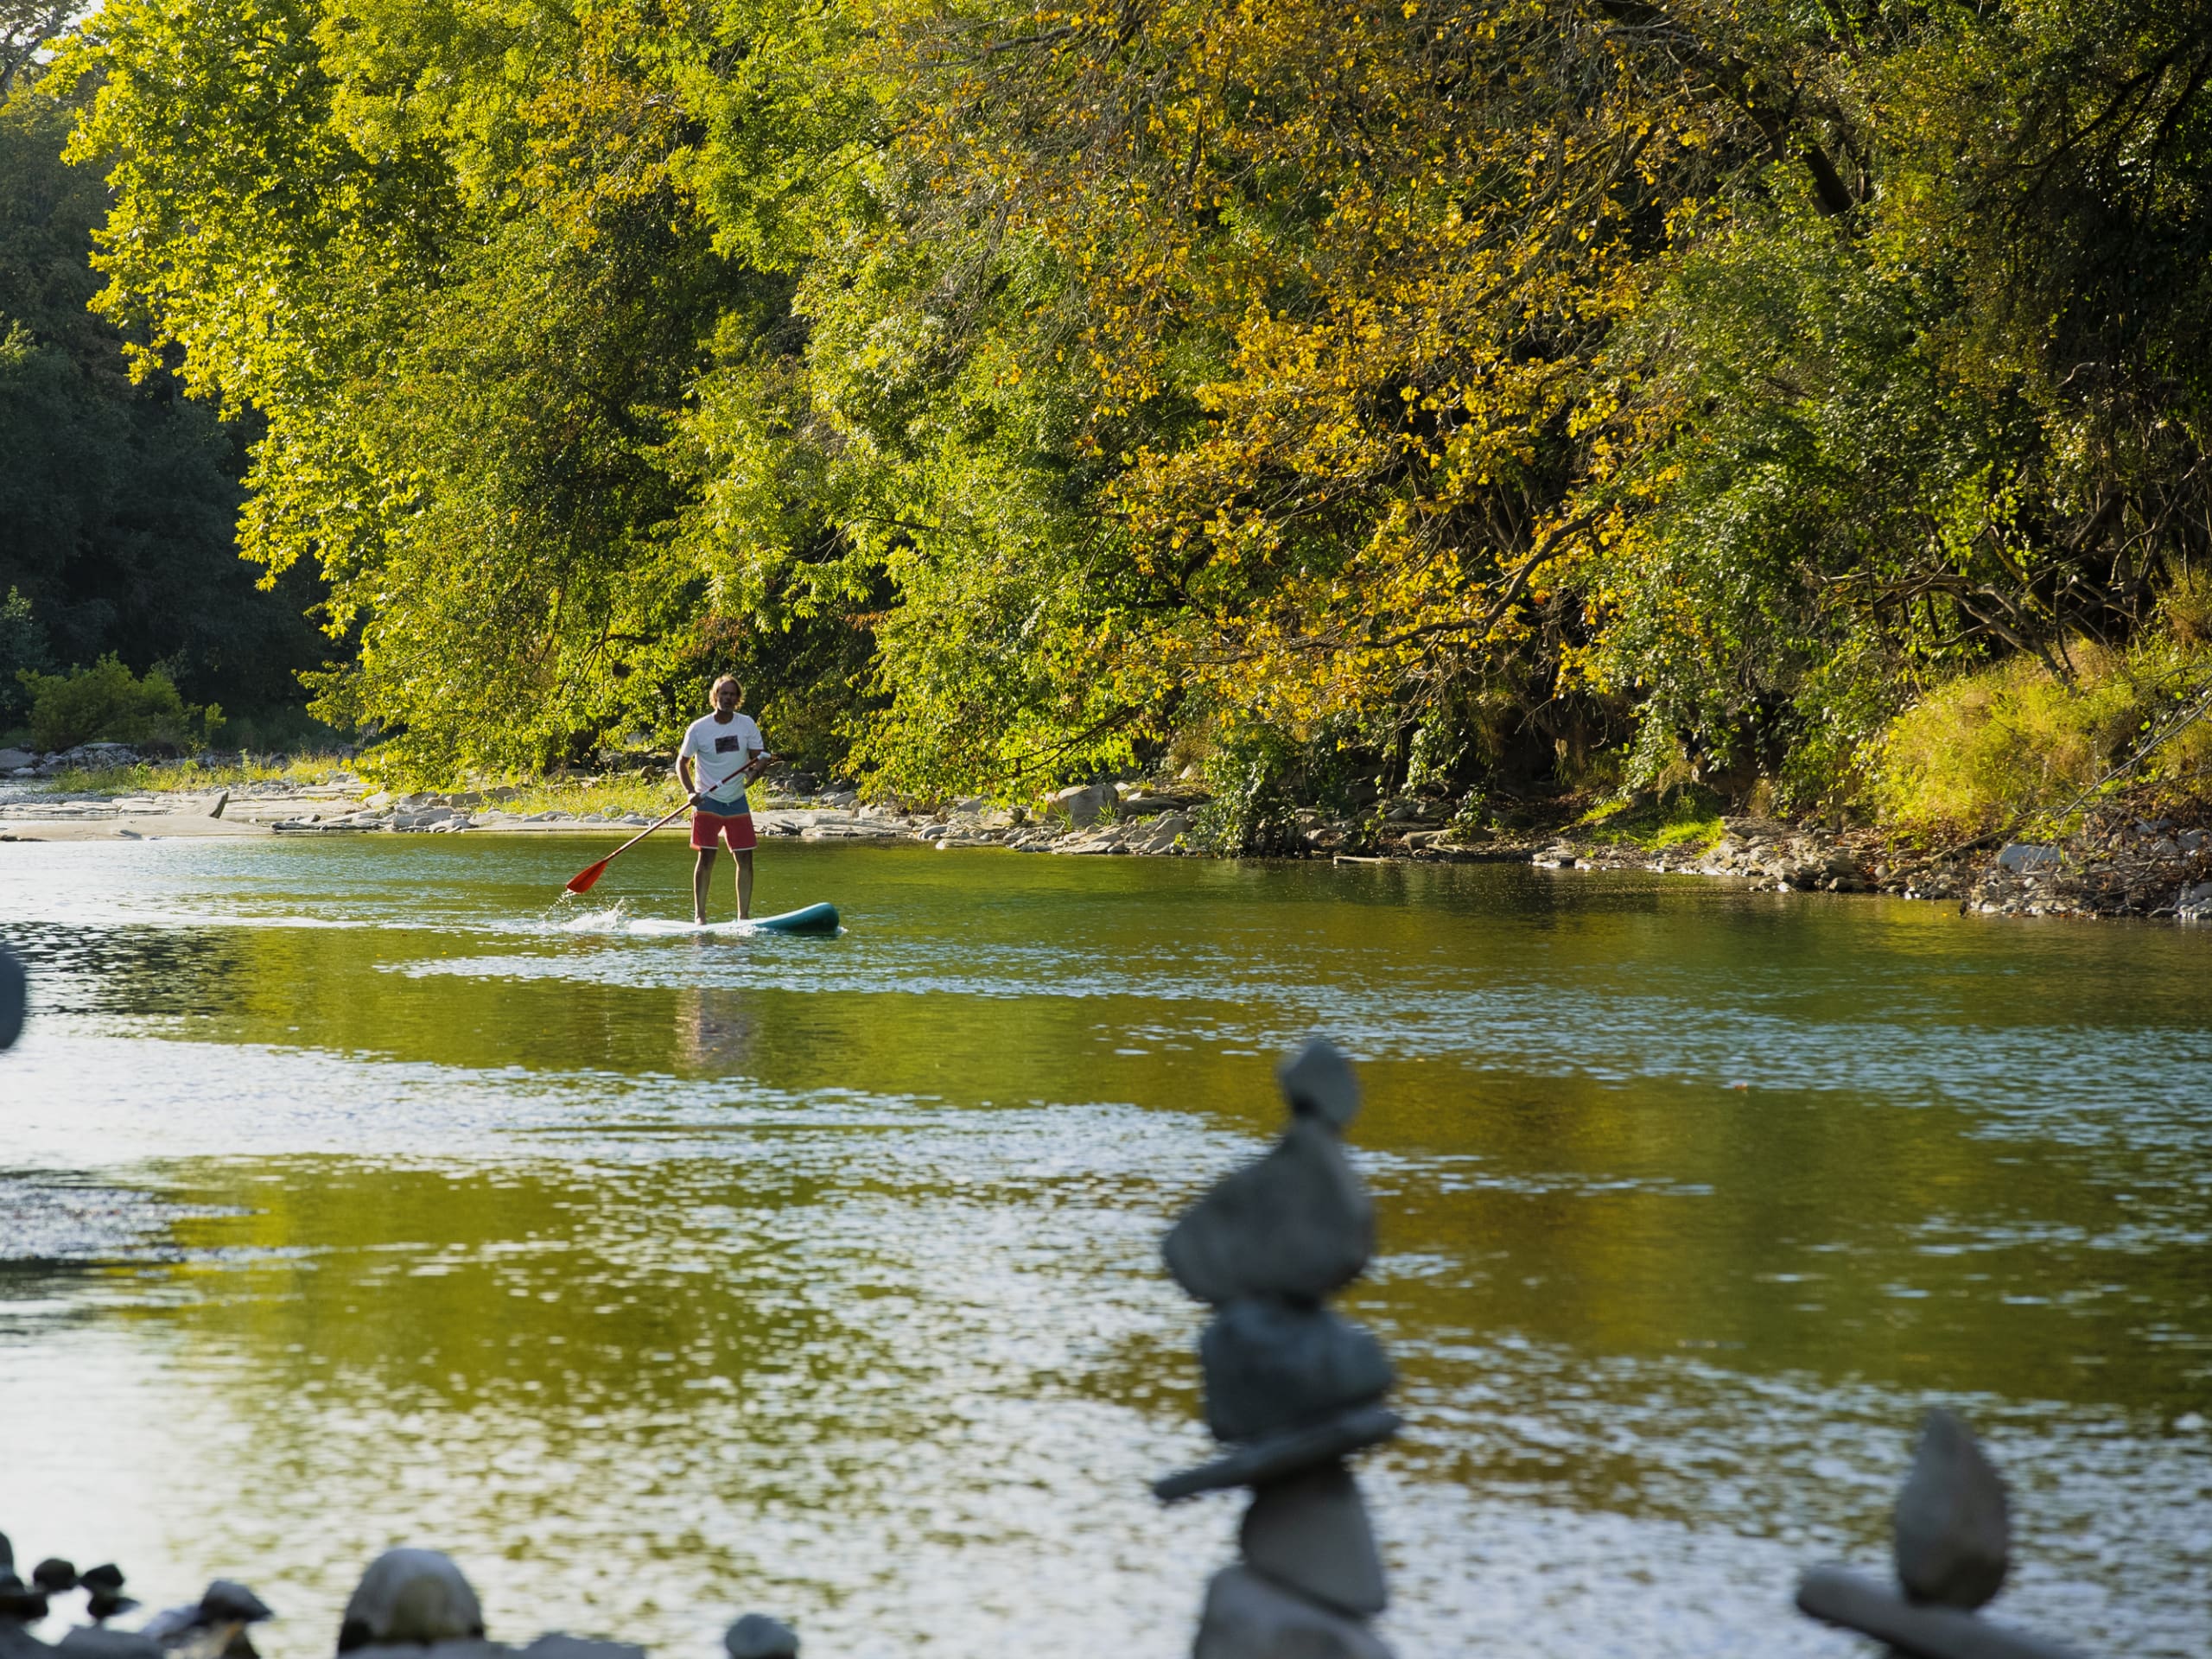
{"x": 815, "y": 919}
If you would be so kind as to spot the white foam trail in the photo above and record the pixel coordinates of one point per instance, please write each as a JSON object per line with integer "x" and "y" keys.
{"x": 615, "y": 919}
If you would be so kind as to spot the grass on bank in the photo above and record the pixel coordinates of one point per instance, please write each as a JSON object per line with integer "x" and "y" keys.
{"x": 2020, "y": 746}
{"x": 1688, "y": 816}
{"x": 190, "y": 777}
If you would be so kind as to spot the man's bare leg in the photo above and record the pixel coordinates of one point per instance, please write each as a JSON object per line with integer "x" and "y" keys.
{"x": 744, "y": 884}
{"x": 700, "y": 872}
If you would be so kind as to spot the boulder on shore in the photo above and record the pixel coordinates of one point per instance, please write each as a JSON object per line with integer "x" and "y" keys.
{"x": 1085, "y": 804}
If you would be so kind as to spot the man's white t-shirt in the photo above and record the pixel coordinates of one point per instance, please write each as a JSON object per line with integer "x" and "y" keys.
{"x": 720, "y": 749}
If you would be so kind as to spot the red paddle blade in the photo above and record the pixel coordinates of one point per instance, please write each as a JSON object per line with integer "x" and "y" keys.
{"x": 584, "y": 881}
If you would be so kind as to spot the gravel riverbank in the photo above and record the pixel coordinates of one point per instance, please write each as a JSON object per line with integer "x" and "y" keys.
{"x": 2121, "y": 863}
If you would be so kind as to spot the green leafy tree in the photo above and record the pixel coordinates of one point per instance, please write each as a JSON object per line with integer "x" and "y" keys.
{"x": 119, "y": 504}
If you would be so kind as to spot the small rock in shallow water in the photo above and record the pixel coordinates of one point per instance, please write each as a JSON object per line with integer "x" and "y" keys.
{"x": 1247, "y": 1617}
{"x": 759, "y": 1636}
{"x": 1311, "y": 1534}
{"x": 1295, "y": 1223}
{"x": 1270, "y": 1365}
{"x": 410, "y": 1595}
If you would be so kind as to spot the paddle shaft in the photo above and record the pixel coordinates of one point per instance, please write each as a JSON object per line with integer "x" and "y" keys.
{"x": 674, "y": 814}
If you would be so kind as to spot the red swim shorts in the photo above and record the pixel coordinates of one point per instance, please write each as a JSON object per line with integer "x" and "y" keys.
{"x": 707, "y": 828}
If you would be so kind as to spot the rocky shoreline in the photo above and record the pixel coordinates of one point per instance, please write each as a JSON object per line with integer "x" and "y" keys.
{"x": 2128, "y": 860}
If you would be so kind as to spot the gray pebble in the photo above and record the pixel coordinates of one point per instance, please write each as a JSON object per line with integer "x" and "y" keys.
{"x": 1296, "y": 1223}
{"x": 477, "y": 1648}
{"x": 759, "y": 1636}
{"x": 1954, "y": 1533}
{"x": 1270, "y": 1365}
{"x": 1318, "y": 1081}
{"x": 96, "y": 1642}
{"x": 1311, "y": 1534}
{"x": 410, "y": 1595}
{"x": 228, "y": 1602}
{"x": 556, "y": 1645}
{"x": 15, "y": 997}
{"x": 1247, "y": 1617}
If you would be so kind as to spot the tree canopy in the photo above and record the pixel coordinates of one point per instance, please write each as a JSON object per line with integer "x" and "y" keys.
{"x": 1017, "y": 390}
{"x": 118, "y": 504}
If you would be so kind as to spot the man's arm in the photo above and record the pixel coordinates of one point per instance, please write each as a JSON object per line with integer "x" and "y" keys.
{"x": 684, "y": 773}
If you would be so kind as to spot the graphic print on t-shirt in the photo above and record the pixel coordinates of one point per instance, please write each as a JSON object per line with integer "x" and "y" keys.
{"x": 720, "y": 749}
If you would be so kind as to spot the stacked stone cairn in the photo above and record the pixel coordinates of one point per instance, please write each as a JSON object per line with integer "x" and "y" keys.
{"x": 1953, "y": 1542}
{"x": 1291, "y": 1389}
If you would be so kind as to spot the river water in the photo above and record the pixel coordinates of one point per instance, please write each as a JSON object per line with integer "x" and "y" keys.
{"x": 352, "y": 1195}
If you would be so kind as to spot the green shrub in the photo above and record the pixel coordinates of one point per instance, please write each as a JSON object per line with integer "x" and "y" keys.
{"x": 107, "y": 703}
{"x": 23, "y": 647}
{"x": 1253, "y": 773}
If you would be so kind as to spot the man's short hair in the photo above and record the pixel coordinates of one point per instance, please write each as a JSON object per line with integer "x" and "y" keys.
{"x": 729, "y": 680}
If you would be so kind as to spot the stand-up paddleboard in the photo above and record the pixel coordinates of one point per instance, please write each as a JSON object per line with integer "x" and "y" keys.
{"x": 815, "y": 919}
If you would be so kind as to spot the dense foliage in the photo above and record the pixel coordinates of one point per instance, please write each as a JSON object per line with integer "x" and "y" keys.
{"x": 1462, "y": 386}
{"x": 119, "y": 504}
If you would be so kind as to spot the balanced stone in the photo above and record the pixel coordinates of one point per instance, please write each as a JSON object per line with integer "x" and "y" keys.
{"x": 476, "y": 1647}
{"x": 759, "y": 1636}
{"x": 557, "y": 1645}
{"x": 13, "y": 997}
{"x": 106, "y": 1576}
{"x": 20, "y": 1600}
{"x": 1318, "y": 1081}
{"x": 1953, "y": 1531}
{"x": 1248, "y": 1617}
{"x": 228, "y": 1602}
{"x": 410, "y": 1596}
{"x": 97, "y": 1642}
{"x": 1297, "y": 1223}
{"x": 1836, "y": 1595}
{"x": 55, "y": 1576}
{"x": 1273, "y": 1457}
{"x": 1271, "y": 1365}
{"x": 1311, "y": 1534}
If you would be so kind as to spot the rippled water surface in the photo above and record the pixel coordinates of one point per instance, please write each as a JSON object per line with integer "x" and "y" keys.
{"x": 351, "y": 1194}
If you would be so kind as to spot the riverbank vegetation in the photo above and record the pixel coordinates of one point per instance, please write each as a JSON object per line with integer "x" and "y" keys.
{"x": 1463, "y": 398}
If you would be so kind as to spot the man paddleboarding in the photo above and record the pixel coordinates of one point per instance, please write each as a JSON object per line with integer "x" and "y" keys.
{"x": 719, "y": 753}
